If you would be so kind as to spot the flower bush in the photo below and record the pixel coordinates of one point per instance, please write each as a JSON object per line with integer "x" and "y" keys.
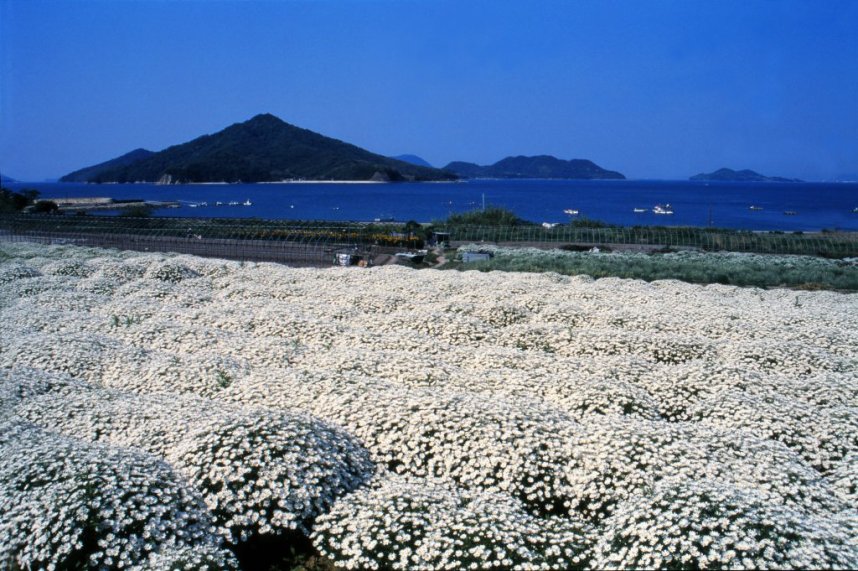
{"x": 698, "y": 525}
{"x": 260, "y": 472}
{"x": 412, "y": 523}
{"x": 66, "y": 504}
{"x": 418, "y": 419}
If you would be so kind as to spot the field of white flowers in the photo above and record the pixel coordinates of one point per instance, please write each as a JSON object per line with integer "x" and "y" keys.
{"x": 159, "y": 412}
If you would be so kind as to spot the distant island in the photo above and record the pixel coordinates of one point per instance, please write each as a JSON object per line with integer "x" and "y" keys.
{"x": 540, "y": 166}
{"x": 413, "y": 160}
{"x": 262, "y": 149}
{"x": 7, "y": 179}
{"x": 740, "y": 176}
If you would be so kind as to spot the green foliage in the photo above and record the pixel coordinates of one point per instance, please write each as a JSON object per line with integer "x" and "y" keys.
{"x": 800, "y": 272}
{"x": 584, "y": 222}
{"x": 45, "y": 207}
{"x": 412, "y": 227}
{"x": 137, "y": 211}
{"x": 491, "y": 216}
{"x": 11, "y": 201}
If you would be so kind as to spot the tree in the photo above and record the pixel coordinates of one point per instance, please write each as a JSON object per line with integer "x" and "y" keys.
{"x": 137, "y": 211}
{"x": 45, "y": 207}
{"x": 11, "y": 201}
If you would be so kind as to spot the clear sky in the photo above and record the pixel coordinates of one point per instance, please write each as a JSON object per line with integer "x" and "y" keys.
{"x": 654, "y": 89}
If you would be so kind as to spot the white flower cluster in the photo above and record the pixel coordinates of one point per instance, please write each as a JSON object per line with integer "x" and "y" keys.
{"x": 67, "y": 504}
{"x": 259, "y": 471}
{"x": 690, "y": 524}
{"x": 413, "y": 523}
{"x": 515, "y": 420}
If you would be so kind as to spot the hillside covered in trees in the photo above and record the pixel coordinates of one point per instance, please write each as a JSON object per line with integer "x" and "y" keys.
{"x": 263, "y": 149}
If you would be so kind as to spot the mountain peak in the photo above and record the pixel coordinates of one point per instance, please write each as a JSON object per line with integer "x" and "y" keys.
{"x": 266, "y": 118}
{"x": 263, "y": 148}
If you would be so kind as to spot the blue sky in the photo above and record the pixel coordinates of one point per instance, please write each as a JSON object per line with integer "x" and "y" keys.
{"x": 654, "y": 89}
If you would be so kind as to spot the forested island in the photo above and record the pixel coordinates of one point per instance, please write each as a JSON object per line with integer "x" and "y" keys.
{"x": 262, "y": 149}
{"x": 540, "y": 166}
{"x": 746, "y": 175}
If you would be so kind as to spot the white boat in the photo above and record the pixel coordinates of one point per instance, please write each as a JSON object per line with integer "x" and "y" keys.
{"x": 204, "y": 203}
{"x": 247, "y": 203}
{"x": 755, "y": 207}
{"x": 659, "y": 209}
{"x": 639, "y": 210}
{"x": 233, "y": 203}
{"x": 218, "y": 203}
{"x": 570, "y": 212}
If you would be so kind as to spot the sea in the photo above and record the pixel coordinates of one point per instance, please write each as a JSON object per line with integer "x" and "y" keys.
{"x": 792, "y": 206}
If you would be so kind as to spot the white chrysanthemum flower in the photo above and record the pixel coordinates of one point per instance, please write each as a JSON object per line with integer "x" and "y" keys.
{"x": 412, "y": 523}
{"x": 67, "y": 504}
{"x": 550, "y": 399}
{"x": 696, "y": 524}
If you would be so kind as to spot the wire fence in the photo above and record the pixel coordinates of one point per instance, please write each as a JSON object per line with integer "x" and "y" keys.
{"x": 302, "y": 244}
{"x": 322, "y": 243}
{"x": 827, "y": 244}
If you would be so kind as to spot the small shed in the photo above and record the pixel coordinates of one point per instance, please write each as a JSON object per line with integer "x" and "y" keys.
{"x": 347, "y": 257}
{"x": 439, "y": 238}
{"x": 470, "y": 257}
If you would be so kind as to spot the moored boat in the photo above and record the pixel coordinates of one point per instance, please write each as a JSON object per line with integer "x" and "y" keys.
{"x": 570, "y": 212}
{"x": 659, "y": 209}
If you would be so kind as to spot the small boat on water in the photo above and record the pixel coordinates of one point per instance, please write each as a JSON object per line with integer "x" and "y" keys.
{"x": 855, "y": 210}
{"x": 659, "y": 209}
{"x": 233, "y": 203}
{"x": 755, "y": 207}
{"x": 639, "y": 210}
{"x": 571, "y": 212}
{"x": 218, "y": 203}
{"x": 790, "y": 212}
{"x": 247, "y": 203}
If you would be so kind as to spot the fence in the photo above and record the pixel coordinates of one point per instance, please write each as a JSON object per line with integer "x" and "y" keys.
{"x": 317, "y": 243}
{"x": 308, "y": 244}
{"x": 827, "y": 244}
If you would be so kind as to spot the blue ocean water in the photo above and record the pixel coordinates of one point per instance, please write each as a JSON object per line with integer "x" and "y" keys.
{"x": 816, "y": 206}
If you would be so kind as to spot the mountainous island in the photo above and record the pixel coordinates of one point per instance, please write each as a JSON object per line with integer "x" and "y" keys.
{"x": 7, "y": 179}
{"x": 540, "y": 166}
{"x": 87, "y": 173}
{"x": 412, "y": 159}
{"x": 745, "y": 175}
{"x": 262, "y": 149}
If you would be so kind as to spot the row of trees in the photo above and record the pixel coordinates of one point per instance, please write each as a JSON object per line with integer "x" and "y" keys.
{"x": 11, "y": 202}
